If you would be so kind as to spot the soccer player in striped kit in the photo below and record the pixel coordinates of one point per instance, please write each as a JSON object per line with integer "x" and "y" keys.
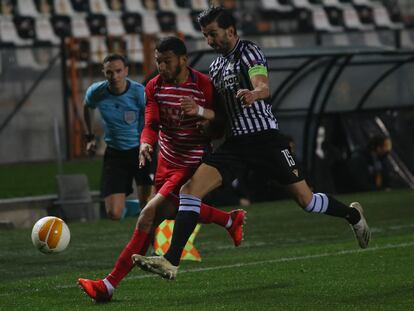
{"x": 240, "y": 76}
{"x": 181, "y": 147}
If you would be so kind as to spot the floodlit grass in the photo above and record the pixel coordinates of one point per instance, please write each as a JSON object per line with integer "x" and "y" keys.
{"x": 289, "y": 260}
{"x": 18, "y": 180}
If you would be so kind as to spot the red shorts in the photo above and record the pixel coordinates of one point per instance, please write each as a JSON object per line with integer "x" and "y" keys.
{"x": 169, "y": 178}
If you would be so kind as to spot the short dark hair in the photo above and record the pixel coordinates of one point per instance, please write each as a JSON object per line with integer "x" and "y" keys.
{"x": 173, "y": 44}
{"x": 115, "y": 56}
{"x": 224, "y": 17}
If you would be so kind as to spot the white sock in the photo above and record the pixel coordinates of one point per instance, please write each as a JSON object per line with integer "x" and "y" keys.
{"x": 229, "y": 222}
{"x": 109, "y": 286}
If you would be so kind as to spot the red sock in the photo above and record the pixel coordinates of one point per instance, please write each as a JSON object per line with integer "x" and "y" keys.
{"x": 209, "y": 214}
{"x": 138, "y": 244}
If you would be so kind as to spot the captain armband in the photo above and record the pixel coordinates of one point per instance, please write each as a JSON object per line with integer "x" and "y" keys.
{"x": 258, "y": 70}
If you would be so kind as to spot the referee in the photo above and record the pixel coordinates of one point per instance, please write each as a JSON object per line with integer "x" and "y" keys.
{"x": 240, "y": 76}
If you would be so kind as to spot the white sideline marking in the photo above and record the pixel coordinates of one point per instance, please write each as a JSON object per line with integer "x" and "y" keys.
{"x": 283, "y": 259}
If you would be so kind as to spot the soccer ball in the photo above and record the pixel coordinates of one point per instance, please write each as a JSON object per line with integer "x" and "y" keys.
{"x": 50, "y": 235}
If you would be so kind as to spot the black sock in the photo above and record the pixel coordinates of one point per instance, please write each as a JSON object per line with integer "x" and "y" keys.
{"x": 185, "y": 223}
{"x": 338, "y": 209}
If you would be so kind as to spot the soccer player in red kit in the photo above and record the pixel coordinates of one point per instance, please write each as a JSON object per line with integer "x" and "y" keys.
{"x": 181, "y": 147}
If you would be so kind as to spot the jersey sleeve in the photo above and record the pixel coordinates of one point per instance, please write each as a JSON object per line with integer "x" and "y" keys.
{"x": 152, "y": 117}
{"x": 89, "y": 97}
{"x": 255, "y": 60}
{"x": 207, "y": 88}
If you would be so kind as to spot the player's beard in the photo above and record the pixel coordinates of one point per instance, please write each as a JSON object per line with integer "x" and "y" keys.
{"x": 174, "y": 76}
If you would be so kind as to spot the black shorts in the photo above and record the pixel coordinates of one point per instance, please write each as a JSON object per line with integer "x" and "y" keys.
{"x": 267, "y": 152}
{"x": 120, "y": 167}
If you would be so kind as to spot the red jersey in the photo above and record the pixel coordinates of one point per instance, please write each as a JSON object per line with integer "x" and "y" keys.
{"x": 180, "y": 142}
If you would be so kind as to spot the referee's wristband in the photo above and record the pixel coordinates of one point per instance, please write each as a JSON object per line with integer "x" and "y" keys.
{"x": 200, "y": 111}
{"x": 89, "y": 137}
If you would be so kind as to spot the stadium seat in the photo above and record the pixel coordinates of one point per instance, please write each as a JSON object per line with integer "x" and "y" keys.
{"x": 80, "y": 27}
{"x": 333, "y": 3}
{"x": 114, "y": 25}
{"x": 134, "y": 6}
{"x": 8, "y": 32}
{"x": 275, "y": 6}
{"x": 382, "y": 18}
{"x": 99, "y": 7}
{"x": 321, "y": 21}
{"x": 80, "y": 6}
{"x": 134, "y": 48}
{"x": 199, "y": 5}
{"x": 63, "y": 7}
{"x": 98, "y": 49}
{"x": 352, "y": 21}
{"x": 44, "y": 7}
{"x": 27, "y": 8}
{"x": 302, "y": 4}
{"x": 97, "y": 24}
{"x": 24, "y": 26}
{"x": 168, "y": 5}
{"x": 132, "y": 22}
{"x": 167, "y": 21}
{"x": 185, "y": 25}
{"x": 116, "y": 5}
{"x": 44, "y": 30}
{"x": 62, "y": 25}
{"x": 116, "y": 45}
{"x": 366, "y": 3}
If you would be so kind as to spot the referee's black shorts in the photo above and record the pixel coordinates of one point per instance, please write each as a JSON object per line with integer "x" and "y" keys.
{"x": 120, "y": 168}
{"x": 267, "y": 152}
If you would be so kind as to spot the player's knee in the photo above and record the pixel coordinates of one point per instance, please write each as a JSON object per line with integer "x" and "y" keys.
{"x": 187, "y": 189}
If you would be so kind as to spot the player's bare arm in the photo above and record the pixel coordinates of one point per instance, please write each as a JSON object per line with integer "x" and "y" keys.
{"x": 260, "y": 90}
{"x": 90, "y": 137}
{"x": 191, "y": 108}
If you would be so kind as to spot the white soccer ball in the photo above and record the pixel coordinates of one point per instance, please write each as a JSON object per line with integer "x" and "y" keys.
{"x": 50, "y": 235}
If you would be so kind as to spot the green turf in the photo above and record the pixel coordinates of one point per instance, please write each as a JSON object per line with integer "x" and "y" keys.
{"x": 289, "y": 260}
{"x": 19, "y": 180}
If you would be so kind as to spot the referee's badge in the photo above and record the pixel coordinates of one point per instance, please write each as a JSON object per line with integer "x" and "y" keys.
{"x": 296, "y": 172}
{"x": 130, "y": 116}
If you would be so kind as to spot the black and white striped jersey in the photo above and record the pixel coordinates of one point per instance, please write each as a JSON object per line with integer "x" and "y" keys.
{"x": 230, "y": 73}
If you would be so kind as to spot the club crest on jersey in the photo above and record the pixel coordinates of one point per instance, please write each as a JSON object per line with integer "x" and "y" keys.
{"x": 296, "y": 172}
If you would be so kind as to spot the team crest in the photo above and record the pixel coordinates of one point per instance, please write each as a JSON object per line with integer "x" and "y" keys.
{"x": 296, "y": 172}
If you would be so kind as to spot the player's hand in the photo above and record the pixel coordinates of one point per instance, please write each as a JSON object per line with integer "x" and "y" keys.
{"x": 145, "y": 153}
{"x": 246, "y": 97}
{"x": 91, "y": 147}
{"x": 188, "y": 106}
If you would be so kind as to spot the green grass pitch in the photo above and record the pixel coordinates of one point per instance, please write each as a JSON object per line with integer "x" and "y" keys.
{"x": 290, "y": 260}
